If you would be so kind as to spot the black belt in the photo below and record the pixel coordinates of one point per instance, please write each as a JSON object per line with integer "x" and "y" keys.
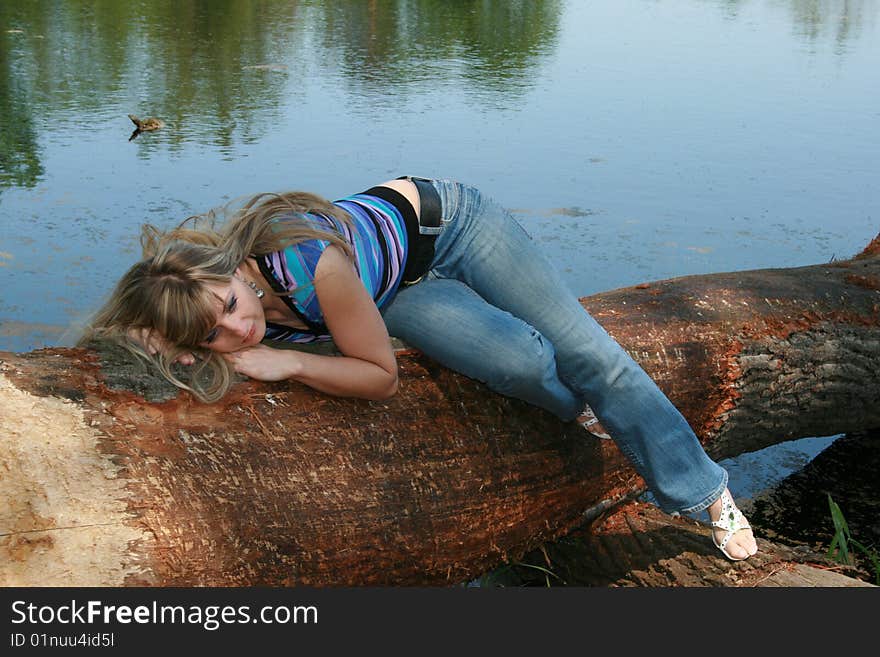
{"x": 421, "y": 235}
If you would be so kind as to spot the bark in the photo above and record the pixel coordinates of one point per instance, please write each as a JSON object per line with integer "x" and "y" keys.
{"x": 111, "y": 480}
{"x": 638, "y": 545}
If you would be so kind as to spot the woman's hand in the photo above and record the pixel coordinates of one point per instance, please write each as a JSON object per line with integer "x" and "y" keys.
{"x": 366, "y": 368}
{"x": 264, "y": 363}
{"x": 153, "y": 343}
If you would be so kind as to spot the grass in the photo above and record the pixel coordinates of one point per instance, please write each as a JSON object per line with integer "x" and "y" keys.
{"x": 841, "y": 545}
{"x": 493, "y": 578}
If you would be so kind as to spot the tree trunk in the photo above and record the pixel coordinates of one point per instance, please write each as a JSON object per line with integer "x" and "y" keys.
{"x": 638, "y": 545}
{"x": 280, "y": 485}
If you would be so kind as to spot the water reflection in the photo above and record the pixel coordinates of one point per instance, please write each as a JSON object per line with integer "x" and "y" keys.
{"x": 841, "y": 19}
{"x": 816, "y": 20}
{"x": 221, "y": 72}
{"x": 19, "y": 154}
{"x": 496, "y": 45}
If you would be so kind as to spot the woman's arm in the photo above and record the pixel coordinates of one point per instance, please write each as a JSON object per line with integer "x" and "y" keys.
{"x": 367, "y": 368}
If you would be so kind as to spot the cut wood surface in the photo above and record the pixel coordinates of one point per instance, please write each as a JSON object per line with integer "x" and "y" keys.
{"x": 112, "y": 479}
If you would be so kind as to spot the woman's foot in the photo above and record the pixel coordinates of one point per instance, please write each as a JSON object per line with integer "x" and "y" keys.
{"x": 731, "y": 532}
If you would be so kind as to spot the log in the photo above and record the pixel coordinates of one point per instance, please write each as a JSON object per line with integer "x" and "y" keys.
{"x": 112, "y": 479}
{"x": 638, "y": 545}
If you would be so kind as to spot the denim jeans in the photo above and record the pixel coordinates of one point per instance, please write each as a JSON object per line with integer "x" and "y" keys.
{"x": 493, "y": 308}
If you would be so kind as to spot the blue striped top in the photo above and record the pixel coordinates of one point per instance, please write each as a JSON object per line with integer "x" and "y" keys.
{"x": 378, "y": 239}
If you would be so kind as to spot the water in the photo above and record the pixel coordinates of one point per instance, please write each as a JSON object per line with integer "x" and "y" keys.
{"x": 635, "y": 139}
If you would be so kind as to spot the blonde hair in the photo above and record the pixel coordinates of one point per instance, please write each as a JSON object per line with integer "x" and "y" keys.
{"x": 167, "y": 291}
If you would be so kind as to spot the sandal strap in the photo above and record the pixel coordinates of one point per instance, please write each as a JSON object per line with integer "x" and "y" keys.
{"x": 731, "y": 518}
{"x": 724, "y": 541}
{"x": 739, "y": 522}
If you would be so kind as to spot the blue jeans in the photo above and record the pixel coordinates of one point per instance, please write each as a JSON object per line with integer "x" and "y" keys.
{"x": 494, "y": 309}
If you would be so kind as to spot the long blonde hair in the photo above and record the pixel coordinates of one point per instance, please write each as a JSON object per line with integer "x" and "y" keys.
{"x": 166, "y": 291}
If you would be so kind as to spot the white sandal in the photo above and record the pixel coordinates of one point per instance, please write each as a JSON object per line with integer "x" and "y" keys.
{"x": 587, "y": 420}
{"x": 731, "y": 521}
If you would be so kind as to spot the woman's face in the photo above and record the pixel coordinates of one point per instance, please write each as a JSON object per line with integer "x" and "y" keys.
{"x": 241, "y": 321}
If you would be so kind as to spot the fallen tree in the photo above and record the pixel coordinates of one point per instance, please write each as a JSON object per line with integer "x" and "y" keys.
{"x": 635, "y": 544}
{"x": 638, "y": 545}
{"x": 112, "y": 479}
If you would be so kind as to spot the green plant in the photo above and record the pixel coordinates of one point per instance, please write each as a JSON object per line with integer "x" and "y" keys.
{"x": 547, "y": 573}
{"x": 493, "y": 578}
{"x": 839, "y": 550}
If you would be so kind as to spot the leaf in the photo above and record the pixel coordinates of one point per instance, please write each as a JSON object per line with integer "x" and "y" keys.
{"x": 841, "y": 534}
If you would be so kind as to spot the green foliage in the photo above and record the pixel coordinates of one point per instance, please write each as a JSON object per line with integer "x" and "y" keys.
{"x": 840, "y": 551}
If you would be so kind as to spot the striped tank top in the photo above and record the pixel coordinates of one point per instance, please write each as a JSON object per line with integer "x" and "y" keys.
{"x": 377, "y": 237}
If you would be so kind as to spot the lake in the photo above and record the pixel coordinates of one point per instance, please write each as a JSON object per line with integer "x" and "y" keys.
{"x": 635, "y": 139}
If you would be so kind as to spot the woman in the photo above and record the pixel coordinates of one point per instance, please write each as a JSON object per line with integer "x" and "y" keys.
{"x": 433, "y": 262}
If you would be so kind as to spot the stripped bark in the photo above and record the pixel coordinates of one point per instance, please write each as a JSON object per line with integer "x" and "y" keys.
{"x": 280, "y": 485}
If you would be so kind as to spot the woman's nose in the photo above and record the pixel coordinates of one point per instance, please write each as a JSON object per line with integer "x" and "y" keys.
{"x": 236, "y": 327}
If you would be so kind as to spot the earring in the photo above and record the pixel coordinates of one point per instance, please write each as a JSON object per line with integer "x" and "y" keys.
{"x": 257, "y": 290}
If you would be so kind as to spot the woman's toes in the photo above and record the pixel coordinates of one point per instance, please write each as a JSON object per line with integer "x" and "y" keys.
{"x": 753, "y": 546}
{"x": 742, "y": 544}
{"x": 737, "y": 551}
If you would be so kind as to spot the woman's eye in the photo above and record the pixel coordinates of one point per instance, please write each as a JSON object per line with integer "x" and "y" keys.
{"x": 211, "y": 336}
{"x": 230, "y": 307}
